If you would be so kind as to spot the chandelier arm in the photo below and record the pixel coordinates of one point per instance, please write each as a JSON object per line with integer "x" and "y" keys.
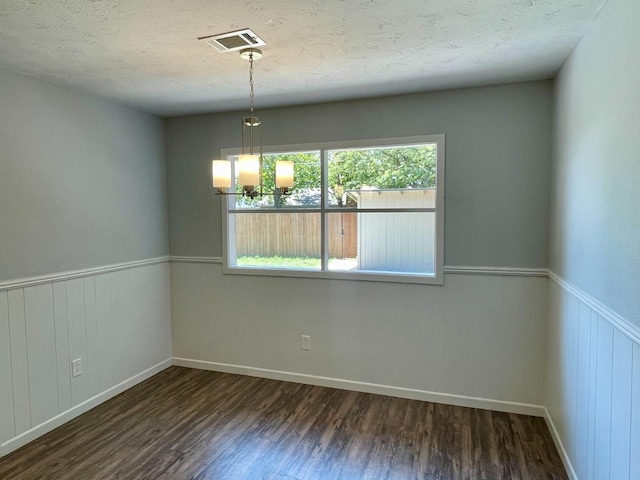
{"x": 282, "y": 191}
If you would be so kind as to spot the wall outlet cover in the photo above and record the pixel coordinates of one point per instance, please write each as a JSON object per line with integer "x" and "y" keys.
{"x": 76, "y": 367}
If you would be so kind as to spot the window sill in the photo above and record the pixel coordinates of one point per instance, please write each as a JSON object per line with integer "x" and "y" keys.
{"x": 414, "y": 278}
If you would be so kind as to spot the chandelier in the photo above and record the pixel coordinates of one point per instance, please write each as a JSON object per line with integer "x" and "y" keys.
{"x": 250, "y": 161}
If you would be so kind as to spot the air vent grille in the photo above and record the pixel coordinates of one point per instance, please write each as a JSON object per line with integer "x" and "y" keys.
{"x": 232, "y": 41}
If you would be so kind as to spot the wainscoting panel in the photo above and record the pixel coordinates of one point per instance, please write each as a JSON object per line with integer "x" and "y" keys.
{"x": 41, "y": 353}
{"x": 117, "y": 322}
{"x": 63, "y": 365}
{"x": 77, "y": 338}
{"x": 593, "y": 386}
{"x": 92, "y": 332}
{"x": 480, "y": 336}
{"x": 621, "y": 384}
{"x": 104, "y": 318}
{"x": 7, "y": 422}
{"x": 634, "y": 466}
{"x": 19, "y": 361}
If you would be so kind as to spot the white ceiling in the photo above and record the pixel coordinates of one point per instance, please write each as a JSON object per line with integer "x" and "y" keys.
{"x": 144, "y": 53}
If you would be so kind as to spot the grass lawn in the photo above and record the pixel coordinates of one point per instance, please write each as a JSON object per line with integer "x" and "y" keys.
{"x": 295, "y": 262}
{"x": 277, "y": 261}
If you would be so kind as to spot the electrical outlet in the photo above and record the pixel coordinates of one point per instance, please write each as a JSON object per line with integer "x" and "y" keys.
{"x": 305, "y": 342}
{"x": 76, "y": 367}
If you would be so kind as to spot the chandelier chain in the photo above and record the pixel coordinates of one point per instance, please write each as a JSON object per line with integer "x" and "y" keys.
{"x": 250, "y": 165}
{"x": 251, "y": 84}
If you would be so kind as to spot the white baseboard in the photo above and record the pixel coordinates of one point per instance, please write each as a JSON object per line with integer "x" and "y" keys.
{"x": 45, "y": 427}
{"x": 564, "y": 456}
{"x": 401, "y": 392}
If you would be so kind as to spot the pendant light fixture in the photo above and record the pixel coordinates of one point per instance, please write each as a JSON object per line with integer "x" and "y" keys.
{"x": 250, "y": 161}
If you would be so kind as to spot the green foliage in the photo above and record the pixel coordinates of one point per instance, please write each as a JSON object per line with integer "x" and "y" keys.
{"x": 382, "y": 168}
{"x": 306, "y": 167}
{"x": 407, "y": 167}
{"x": 306, "y": 175}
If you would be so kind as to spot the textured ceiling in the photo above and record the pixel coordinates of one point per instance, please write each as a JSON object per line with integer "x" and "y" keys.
{"x": 144, "y": 53}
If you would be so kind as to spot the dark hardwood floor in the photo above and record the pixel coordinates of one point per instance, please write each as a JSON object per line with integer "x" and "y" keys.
{"x": 193, "y": 424}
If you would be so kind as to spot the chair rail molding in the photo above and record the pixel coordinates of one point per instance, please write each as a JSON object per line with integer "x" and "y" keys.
{"x": 622, "y": 324}
{"x": 80, "y": 273}
{"x": 448, "y": 269}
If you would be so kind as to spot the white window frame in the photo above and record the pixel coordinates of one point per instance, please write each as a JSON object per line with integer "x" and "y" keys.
{"x": 397, "y": 277}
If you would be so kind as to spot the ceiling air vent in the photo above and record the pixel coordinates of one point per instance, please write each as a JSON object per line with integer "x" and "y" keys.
{"x": 232, "y": 41}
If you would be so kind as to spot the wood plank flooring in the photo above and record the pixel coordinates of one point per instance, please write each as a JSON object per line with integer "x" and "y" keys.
{"x": 192, "y": 424}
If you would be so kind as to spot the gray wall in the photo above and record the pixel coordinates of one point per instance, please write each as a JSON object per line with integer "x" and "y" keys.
{"x": 595, "y": 234}
{"x": 82, "y": 181}
{"x": 498, "y": 150}
{"x": 593, "y": 357}
{"x": 82, "y": 184}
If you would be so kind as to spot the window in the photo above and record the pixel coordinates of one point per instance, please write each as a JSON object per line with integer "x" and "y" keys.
{"x": 370, "y": 210}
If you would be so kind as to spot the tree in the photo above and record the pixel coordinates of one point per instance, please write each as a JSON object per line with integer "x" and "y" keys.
{"x": 382, "y": 168}
{"x": 306, "y": 177}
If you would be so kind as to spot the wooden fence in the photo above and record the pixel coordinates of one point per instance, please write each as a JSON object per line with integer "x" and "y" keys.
{"x": 295, "y": 234}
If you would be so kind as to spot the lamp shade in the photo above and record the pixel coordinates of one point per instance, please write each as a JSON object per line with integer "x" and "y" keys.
{"x": 284, "y": 174}
{"x": 248, "y": 170}
{"x": 221, "y": 172}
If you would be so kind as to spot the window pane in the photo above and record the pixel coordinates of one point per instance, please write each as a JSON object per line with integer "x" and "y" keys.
{"x": 353, "y": 172}
{"x": 382, "y": 242}
{"x": 275, "y": 240}
{"x": 306, "y": 184}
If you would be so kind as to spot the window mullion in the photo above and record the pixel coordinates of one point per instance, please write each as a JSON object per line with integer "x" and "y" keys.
{"x": 324, "y": 234}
